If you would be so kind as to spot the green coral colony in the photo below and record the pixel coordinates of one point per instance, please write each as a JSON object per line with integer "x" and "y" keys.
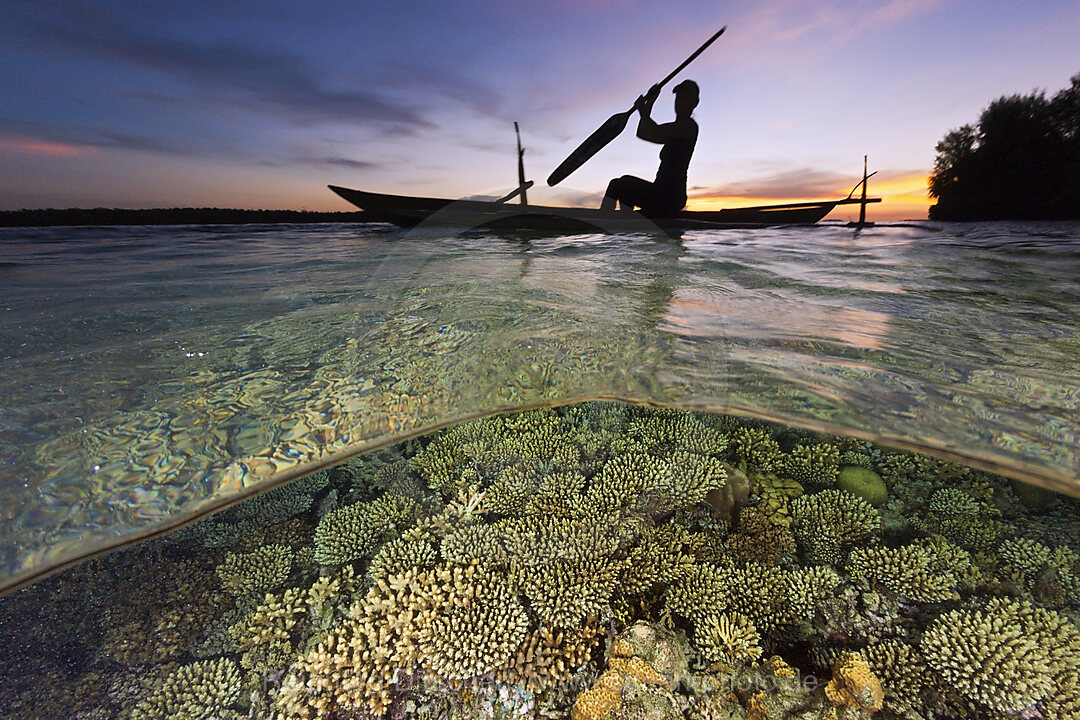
{"x": 594, "y": 561}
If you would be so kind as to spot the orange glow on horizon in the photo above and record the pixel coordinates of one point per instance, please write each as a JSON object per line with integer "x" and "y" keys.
{"x": 35, "y": 146}
{"x": 903, "y": 197}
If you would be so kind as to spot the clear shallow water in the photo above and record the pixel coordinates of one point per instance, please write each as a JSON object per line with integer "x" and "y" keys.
{"x": 153, "y": 374}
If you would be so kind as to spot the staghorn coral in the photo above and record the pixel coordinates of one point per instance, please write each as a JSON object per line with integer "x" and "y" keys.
{"x": 757, "y": 591}
{"x": 729, "y": 638}
{"x": 1022, "y": 559}
{"x": 816, "y": 465}
{"x": 631, "y": 481}
{"x": 692, "y": 478}
{"x": 474, "y": 541}
{"x": 807, "y": 588}
{"x": 354, "y": 531}
{"x": 827, "y": 521}
{"x": 668, "y": 430}
{"x": 662, "y": 554}
{"x": 961, "y": 519}
{"x": 854, "y": 685}
{"x": 910, "y": 571}
{"x": 453, "y": 621}
{"x": 202, "y": 690}
{"x": 262, "y": 569}
{"x": 564, "y": 592}
{"x": 265, "y": 635}
{"x": 474, "y": 624}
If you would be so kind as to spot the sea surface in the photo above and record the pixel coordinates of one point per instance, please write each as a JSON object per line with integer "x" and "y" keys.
{"x": 152, "y": 374}
{"x": 155, "y": 375}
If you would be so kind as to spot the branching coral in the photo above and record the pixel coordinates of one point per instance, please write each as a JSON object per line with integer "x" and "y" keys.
{"x": 817, "y": 465}
{"x": 827, "y": 521}
{"x": 263, "y": 569}
{"x": 563, "y": 593}
{"x": 910, "y": 572}
{"x": 759, "y": 539}
{"x": 202, "y": 690}
{"x": 729, "y": 638}
{"x": 354, "y": 531}
{"x": 961, "y": 519}
{"x": 754, "y": 447}
{"x": 549, "y": 655}
{"x": 902, "y": 672}
{"x": 668, "y": 430}
{"x": 414, "y": 549}
{"x": 1007, "y": 657}
{"x": 455, "y": 621}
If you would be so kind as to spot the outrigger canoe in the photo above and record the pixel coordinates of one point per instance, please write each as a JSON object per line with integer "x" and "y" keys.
{"x": 407, "y": 211}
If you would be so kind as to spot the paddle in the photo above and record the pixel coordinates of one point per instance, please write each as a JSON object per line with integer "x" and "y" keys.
{"x": 614, "y": 126}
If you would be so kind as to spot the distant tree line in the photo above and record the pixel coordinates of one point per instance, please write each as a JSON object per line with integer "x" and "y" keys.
{"x": 167, "y": 216}
{"x": 1022, "y": 161}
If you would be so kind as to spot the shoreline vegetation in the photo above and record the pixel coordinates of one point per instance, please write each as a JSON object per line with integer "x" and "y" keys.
{"x": 1021, "y": 161}
{"x": 168, "y": 216}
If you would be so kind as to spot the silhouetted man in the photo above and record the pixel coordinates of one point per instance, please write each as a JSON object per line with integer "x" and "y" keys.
{"x": 666, "y": 195}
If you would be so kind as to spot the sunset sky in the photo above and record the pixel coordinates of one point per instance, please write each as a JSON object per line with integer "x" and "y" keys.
{"x": 233, "y": 103}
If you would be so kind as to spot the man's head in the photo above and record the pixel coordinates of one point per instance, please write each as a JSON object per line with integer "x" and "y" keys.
{"x": 686, "y": 95}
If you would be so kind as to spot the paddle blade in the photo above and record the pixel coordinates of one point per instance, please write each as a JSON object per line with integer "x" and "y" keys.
{"x": 592, "y": 145}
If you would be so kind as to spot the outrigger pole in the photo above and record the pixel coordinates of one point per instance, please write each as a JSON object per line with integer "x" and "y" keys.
{"x": 523, "y": 185}
{"x": 862, "y": 201}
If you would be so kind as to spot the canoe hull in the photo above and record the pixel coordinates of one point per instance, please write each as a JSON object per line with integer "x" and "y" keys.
{"x": 407, "y": 211}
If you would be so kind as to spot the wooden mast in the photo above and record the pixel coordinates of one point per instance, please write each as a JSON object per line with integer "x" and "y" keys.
{"x": 521, "y": 166}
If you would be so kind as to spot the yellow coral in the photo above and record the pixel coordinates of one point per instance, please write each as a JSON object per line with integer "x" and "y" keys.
{"x": 596, "y": 702}
{"x": 638, "y": 669}
{"x": 854, "y": 685}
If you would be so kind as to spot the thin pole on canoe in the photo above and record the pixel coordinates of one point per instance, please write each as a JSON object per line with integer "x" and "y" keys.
{"x": 521, "y": 165}
{"x": 523, "y": 184}
{"x": 862, "y": 200}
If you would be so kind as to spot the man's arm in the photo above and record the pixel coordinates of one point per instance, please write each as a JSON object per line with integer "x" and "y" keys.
{"x": 648, "y": 129}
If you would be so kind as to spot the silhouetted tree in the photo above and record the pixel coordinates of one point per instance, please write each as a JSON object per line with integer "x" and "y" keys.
{"x": 1022, "y": 162}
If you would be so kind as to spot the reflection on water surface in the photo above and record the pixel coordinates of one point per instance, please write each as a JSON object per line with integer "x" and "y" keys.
{"x": 156, "y": 373}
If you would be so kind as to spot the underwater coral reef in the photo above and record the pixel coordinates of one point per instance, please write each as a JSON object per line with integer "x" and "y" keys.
{"x": 594, "y": 562}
